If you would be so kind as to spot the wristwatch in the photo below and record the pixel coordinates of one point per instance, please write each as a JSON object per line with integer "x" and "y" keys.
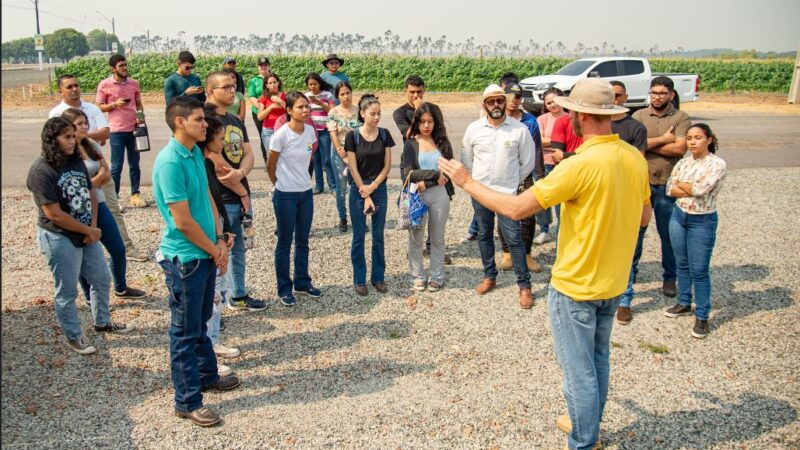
{"x": 221, "y": 237}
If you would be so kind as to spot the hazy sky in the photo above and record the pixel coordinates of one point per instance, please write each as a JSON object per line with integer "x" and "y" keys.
{"x": 691, "y": 24}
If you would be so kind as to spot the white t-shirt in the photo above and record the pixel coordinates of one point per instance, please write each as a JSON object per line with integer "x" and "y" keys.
{"x": 295, "y": 150}
{"x": 96, "y": 117}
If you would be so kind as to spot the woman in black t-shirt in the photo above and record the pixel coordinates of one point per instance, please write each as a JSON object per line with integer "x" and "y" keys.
{"x": 369, "y": 159}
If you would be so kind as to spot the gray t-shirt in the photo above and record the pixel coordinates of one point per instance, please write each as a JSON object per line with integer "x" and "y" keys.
{"x": 93, "y": 167}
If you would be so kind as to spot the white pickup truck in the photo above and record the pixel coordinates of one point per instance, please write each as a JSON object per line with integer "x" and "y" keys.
{"x": 633, "y": 72}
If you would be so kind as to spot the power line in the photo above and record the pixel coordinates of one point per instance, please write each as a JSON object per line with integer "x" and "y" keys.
{"x": 29, "y": 8}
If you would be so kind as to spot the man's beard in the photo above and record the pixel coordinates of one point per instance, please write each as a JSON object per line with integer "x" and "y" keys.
{"x": 496, "y": 113}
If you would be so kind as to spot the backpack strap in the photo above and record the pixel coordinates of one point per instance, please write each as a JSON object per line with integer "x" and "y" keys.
{"x": 381, "y": 134}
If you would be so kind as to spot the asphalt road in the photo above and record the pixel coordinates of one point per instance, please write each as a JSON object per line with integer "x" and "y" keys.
{"x": 745, "y": 141}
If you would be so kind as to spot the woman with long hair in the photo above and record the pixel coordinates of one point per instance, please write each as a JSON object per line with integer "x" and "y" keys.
{"x": 321, "y": 101}
{"x": 695, "y": 182}
{"x": 342, "y": 119}
{"x": 92, "y": 156}
{"x": 420, "y": 163}
{"x": 271, "y": 105}
{"x": 546, "y": 123}
{"x": 68, "y": 234}
{"x": 369, "y": 160}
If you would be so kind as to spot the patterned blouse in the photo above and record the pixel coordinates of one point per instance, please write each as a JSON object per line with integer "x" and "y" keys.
{"x": 706, "y": 177}
{"x": 341, "y": 124}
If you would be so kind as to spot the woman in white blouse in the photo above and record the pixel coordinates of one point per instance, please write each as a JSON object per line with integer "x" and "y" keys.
{"x": 695, "y": 182}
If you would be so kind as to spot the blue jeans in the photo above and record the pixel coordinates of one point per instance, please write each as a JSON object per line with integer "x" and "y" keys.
{"x": 473, "y": 226}
{"x": 693, "y": 237}
{"x": 294, "y": 212}
{"x": 544, "y": 217}
{"x": 581, "y": 336}
{"x": 221, "y": 288}
{"x": 112, "y": 241}
{"x": 513, "y": 237}
{"x": 339, "y": 165}
{"x": 662, "y": 207}
{"x": 359, "y": 220}
{"x": 238, "y": 253}
{"x": 322, "y": 161}
{"x": 191, "y": 302}
{"x": 627, "y": 296}
{"x": 122, "y": 143}
{"x": 67, "y": 262}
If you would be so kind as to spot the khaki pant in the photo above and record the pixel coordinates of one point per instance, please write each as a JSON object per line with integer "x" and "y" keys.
{"x": 112, "y": 201}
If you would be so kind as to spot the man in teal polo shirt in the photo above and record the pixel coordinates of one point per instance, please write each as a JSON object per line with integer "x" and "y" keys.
{"x": 192, "y": 249}
{"x": 183, "y": 81}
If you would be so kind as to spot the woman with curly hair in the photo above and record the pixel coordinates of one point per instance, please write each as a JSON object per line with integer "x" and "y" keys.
{"x": 68, "y": 234}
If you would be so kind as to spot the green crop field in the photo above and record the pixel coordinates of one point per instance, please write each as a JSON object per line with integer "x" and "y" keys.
{"x": 450, "y": 74}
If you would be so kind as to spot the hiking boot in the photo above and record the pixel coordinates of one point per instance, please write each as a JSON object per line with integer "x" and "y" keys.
{"x": 624, "y": 315}
{"x": 700, "y": 329}
{"x": 202, "y": 416}
{"x": 677, "y": 310}
{"x": 533, "y": 266}
{"x": 381, "y": 287}
{"x": 80, "y": 346}
{"x": 136, "y": 201}
{"x": 525, "y": 298}
{"x": 361, "y": 290}
{"x": 130, "y": 292}
{"x": 311, "y": 291}
{"x": 506, "y": 263}
{"x": 343, "y": 225}
{"x": 564, "y": 423}
{"x": 248, "y": 303}
{"x": 669, "y": 289}
{"x": 114, "y": 327}
{"x": 136, "y": 255}
{"x": 541, "y": 238}
{"x": 226, "y": 352}
{"x": 223, "y": 370}
{"x": 485, "y": 286}
{"x": 225, "y": 383}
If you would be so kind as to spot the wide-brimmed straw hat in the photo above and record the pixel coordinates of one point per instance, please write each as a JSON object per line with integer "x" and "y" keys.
{"x": 332, "y": 57}
{"x": 493, "y": 90}
{"x": 591, "y": 96}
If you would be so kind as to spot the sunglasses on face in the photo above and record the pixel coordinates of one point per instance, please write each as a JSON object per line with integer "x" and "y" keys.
{"x": 495, "y": 102}
{"x": 618, "y": 95}
{"x": 188, "y": 67}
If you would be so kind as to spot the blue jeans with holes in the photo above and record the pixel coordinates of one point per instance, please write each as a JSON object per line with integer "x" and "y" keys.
{"x": 191, "y": 303}
{"x": 322, "y": 162}
{"x": 627, "y": 296}
{"x": 67, "y": 262}
{"x": 513, "y": 237}
{"x": 123, "y": 143}
{"x": 238, "y": 260}
{"x": 359, "y": 220}
{"x": 693, "y": 237}
{"x": 662, "y": 207}
{"x": 582, "y": 336}
{"x": 112, "y": 241}
{"x": 339, "y": 165}
{"x": 294, "y": 212}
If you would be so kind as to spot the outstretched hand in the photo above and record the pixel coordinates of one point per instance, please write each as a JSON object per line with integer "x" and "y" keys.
{"x": 455, "y": 171}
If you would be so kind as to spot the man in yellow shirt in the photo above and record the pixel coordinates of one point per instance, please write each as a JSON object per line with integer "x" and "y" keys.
{"x": 605, "y": 197}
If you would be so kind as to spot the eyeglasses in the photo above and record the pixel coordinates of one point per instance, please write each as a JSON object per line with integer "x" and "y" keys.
{"x": 618, "y": 95}
{"x": 188, "y": 67}
{"x": 659, "y": 94}
{"x": 227, "y": 87}
{"x": 495, "y": 102}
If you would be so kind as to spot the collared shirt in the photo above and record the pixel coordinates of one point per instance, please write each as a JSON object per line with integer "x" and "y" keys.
{"x": 96, "y": 117}
{"x": 657, "y": 124}
{"x": 602, "y": 191}
{"x": 176, "y": 84}
{"x": 122, "y": 119}
{"x": 706, "y": 177}
{"x": 179, "y": 174}
{"x": 501, "y": 157}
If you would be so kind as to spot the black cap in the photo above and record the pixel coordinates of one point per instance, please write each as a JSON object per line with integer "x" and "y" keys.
{"x": 516, "y": 89}
{"x": 263, "y": 61}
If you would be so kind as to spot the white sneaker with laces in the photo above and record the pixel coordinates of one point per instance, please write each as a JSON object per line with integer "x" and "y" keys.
{"x": 80, "y": 346}
{"x": 226, "y": 352}
{"x": 224, "y": 370}
{"x": 468, "y": 238}
{"x": 541, "y": 238}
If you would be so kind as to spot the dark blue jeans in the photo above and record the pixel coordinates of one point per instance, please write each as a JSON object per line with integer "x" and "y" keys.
{"x": 513, "y": 237}
{"x": 544, "y": 217}
{"x": 112, "y": 241}
{"x": 627, "y": 296}
{"x": 359, "y": 220}
{"x": 121, "y": 143}
{"x": 693, "y": 238}
{"x": 662, "y": 207}
{"x": 191, "y": 302}
{"x": 294, "y": 212}
{"x": 322, "y": 161}
{"x": 473, "y": 226}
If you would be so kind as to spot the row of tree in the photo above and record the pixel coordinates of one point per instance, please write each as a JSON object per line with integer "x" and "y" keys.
{"x": 63, "y": 44}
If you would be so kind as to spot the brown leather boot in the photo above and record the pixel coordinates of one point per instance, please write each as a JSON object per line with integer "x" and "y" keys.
{"x": 485, "y": 286}
{"x": 624, "y": 315}
{"x": 202, "y": 416}
{"x": 525, "y": 298}
{"x": 505, "y": 263}
{"x": 533, "y": 266}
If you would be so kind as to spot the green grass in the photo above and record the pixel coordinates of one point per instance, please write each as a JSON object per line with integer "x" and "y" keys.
{"x": 655, "y": 348}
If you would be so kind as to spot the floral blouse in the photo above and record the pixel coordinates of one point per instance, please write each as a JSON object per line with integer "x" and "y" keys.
{"x": 706, "y": 177}
{"x": 341, "y": 124}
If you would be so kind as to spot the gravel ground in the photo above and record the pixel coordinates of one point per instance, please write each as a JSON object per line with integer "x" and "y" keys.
{"x": 444, "y": 370}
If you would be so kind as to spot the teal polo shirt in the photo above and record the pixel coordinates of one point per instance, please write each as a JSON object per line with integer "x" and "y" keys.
{"x": 180, "y": 175}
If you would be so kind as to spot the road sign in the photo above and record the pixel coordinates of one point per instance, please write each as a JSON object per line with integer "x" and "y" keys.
{"x": 38, "y": 42}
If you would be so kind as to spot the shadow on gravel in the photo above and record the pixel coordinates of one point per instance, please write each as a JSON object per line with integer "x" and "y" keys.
{"x": 722, "y": 424}
{"x": 367, "y": 376}
{"x": 727, "y": 301}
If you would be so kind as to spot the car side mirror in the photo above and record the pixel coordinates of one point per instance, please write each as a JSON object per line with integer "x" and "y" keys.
{"x": 594, "y": 74}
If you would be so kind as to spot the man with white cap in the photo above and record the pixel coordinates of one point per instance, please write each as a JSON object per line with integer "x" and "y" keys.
{"x": 498, "y": 150}
{"x": 605, "y": 195}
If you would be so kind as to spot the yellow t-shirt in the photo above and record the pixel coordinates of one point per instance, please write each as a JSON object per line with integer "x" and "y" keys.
{"x": 602, "y": 190}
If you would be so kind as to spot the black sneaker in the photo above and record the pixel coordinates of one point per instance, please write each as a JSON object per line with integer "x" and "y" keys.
{"x": 130, "y": 292}
{"x": 248, "y": 303}
{"x": 677, "y": 310}
{"x": 700, "y": 329}
{"x": 114, "y": 327}
{"x": 288, "y": 300}
{"x": 311, "y": 292}
{"x": 343, "y": 225}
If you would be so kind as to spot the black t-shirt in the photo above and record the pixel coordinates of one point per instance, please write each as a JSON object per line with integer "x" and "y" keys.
{"x": 233, "y": 151}
{"x": 631, "y": 131}
{"x": 216, "y": 193}
{"x": 404, "y": 115}
{"x": 69, "y": 186}
{"x": 369, "y": 154}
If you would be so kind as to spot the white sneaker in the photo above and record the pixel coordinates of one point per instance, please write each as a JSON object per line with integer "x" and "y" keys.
{"x": 541, "y": 238}
{"x": 224, "y": 370}
{"x": 226, "y": 352}
{"x": 80, "y": 346}
{"x": 468, "y": 238}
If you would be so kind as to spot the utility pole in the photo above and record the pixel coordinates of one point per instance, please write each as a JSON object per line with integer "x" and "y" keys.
{"x": 38, "y": 30}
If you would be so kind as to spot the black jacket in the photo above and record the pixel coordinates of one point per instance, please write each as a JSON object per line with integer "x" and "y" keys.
{"x": 409, "y": 163}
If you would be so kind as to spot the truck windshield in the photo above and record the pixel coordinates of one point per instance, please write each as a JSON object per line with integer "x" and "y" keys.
{"x": 575, "y": 68}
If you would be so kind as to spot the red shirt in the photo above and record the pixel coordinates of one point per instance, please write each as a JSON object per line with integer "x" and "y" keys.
{"x": 563, "y": 133}
{"x": 269, "y": 121}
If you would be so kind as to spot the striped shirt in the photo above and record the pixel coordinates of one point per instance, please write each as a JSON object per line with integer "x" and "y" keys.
{"x": 318, "y": 114}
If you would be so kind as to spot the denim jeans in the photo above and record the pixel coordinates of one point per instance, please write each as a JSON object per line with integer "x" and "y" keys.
{"x": 191, "y": 302}
{"x": 339, "y": 165}
{"x": 693, "y": 237}
{"x": 513, "y": 237}
{"x": 112, "y": 241}
{"x": 266, "y": 136}
{"x": 545, "y": 217}
{"x": 627, "y": 296}
{"x": 473, "y": 226}
{"x": 67, "y": 262}
{"x": 122, "y": 143}
{"x": 359, "y": 220}
{"x": 260, "y": 127}
{"x": 222, "y": 294}
{"x": 294, "y": 212}
{"x": 322, "y": 161}
{"x": 581, "y": 337}
{"x": 527, "y": 227}
{"x": 238, "y": 260}
{"x": 662, "y": 207}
